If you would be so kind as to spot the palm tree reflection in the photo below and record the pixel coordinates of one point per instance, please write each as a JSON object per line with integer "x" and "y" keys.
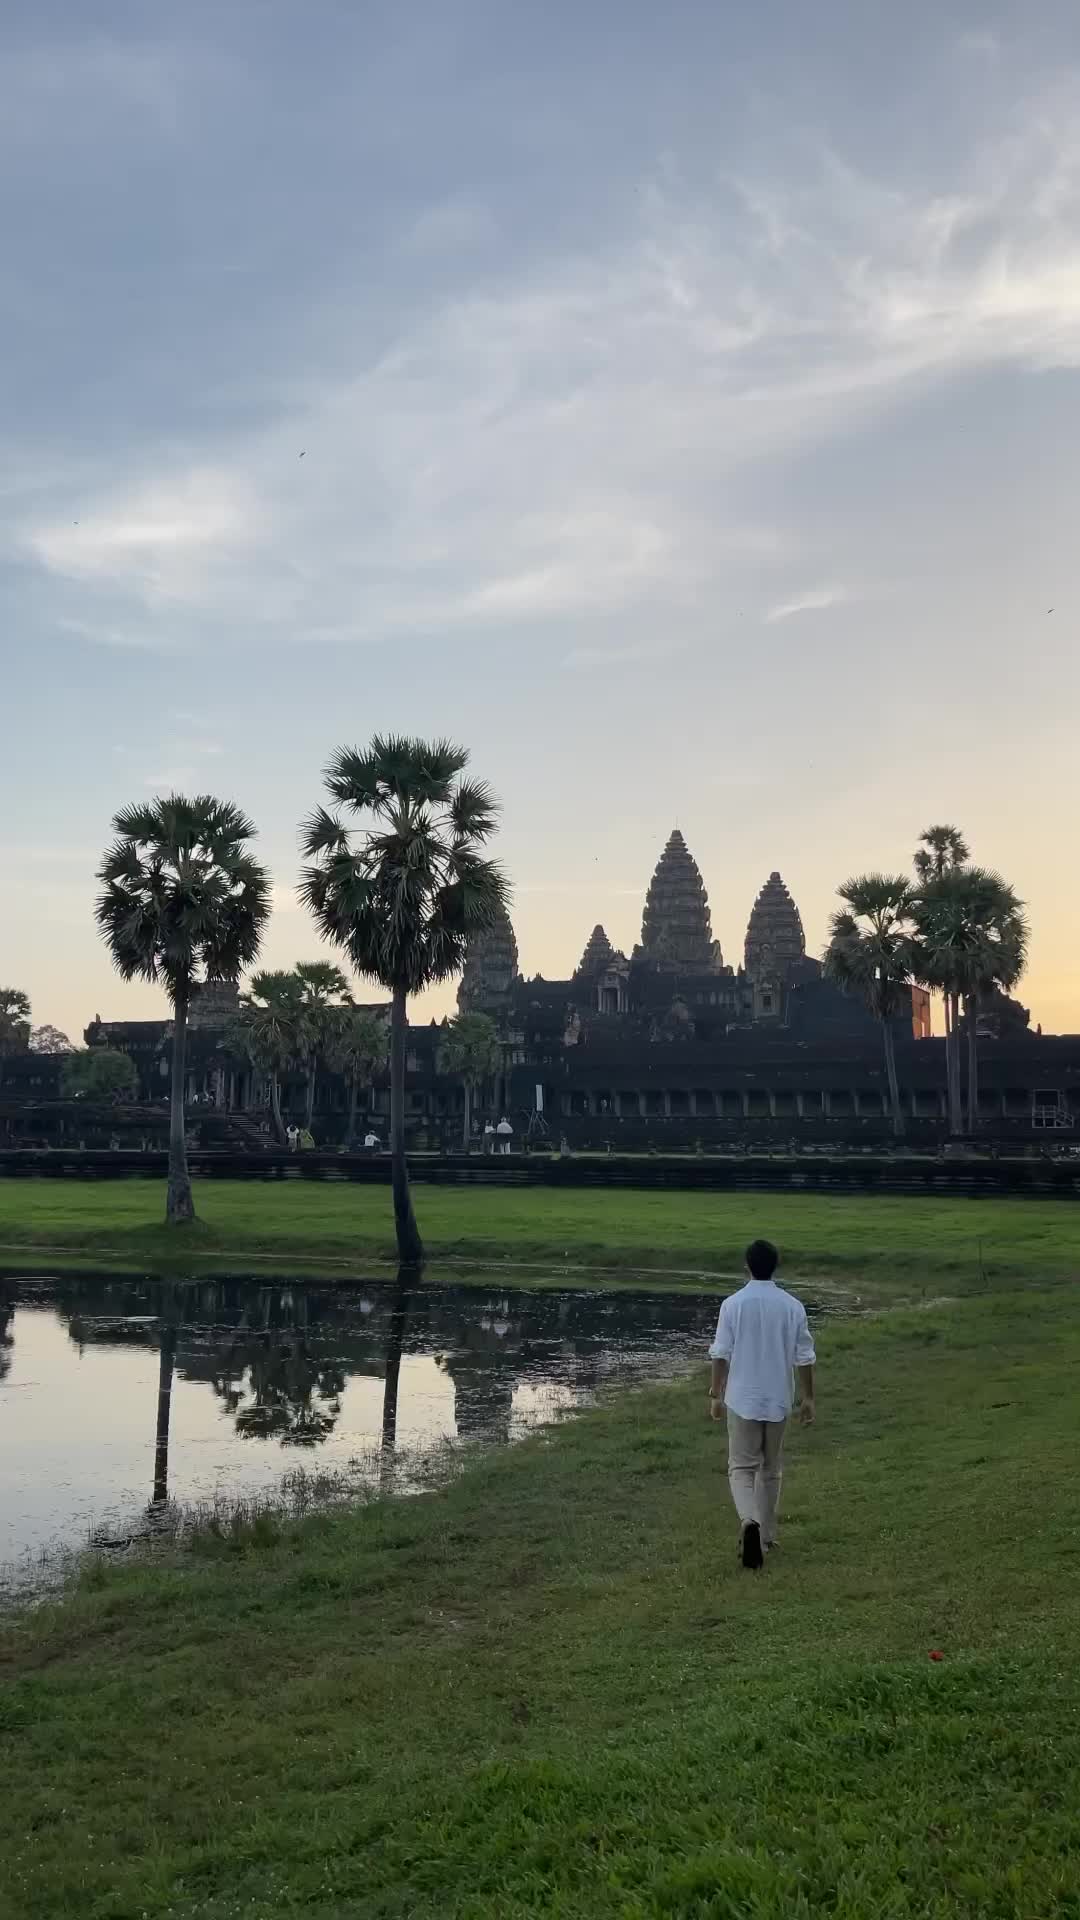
{"x": 166, "y": 1371}
{"x": 395, "y": 1340}
{"x": 7, "y": 1337}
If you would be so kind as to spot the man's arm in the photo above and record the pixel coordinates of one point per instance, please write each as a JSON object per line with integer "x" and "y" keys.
{"x": 720, "y": 1355}
{"x": 805, "y": 1362}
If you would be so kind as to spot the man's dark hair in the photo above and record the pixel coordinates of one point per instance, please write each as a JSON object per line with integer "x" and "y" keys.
{"x": 762, "y": 1259}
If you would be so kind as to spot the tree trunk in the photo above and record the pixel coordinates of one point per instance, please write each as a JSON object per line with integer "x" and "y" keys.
{"x": 275, "y": 1108}
{"x": 310, "y": 1107}
{"x": 410, "y": 1245}
{"x": 179, "y": 1205}
{"x": 468, "y": 1114}
{"x": 894, "y": 1085}
{"x": 166, "y": 1369}
{"x": 354, "y": 1095}
{"x": 952, "y": 1060}
{"x": 971, "y": 1006}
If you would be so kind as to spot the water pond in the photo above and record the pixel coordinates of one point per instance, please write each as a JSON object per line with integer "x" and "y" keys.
{"x": 124, "y": 1398}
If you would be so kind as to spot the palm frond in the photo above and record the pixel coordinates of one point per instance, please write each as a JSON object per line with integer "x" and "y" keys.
{"x": 181, "y": 894}
{"x": 474, "y": 811}
{"x": 401, "y": 892}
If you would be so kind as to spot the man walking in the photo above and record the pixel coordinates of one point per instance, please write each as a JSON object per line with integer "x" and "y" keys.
{"x": 762, "y": 1335}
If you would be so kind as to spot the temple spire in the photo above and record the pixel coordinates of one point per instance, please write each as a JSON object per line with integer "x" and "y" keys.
{"x": 491, "y": 968}
{"x": 676, "y": 929}
{"x": 775, "y": 941}
{"x": 598, "y": 956}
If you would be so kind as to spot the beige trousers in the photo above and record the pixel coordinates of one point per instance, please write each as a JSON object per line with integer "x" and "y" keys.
{"x": 755, "y": 1470}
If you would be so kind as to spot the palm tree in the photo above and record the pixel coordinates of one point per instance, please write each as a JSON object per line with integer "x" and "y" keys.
{"x": 971, "y": 935}
{"x": 270, "y": 1032}
{"x": 402, "y": 890}
{"x": 470, "y": 1049}
{"x": 357, "y": 1043}
{"x": 323, "y": 990}
{"x": 182, "y": 900}
{"x": 940, "y": 850}
{"x": 869, "y": 952}
{"x": 943, "y": 850}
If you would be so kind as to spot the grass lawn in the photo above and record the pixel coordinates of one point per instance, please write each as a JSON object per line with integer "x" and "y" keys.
{"x": 548, "y": 1690}
{"x": 936, "y": 1244}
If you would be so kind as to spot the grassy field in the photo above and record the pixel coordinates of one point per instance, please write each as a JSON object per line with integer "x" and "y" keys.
{"x": 548, "y": 1690}
{"x": 936, "y": 1244}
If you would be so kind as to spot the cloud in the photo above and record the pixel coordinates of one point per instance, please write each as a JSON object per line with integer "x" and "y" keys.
{"x": 154, "y": 538}
{"x": 814, "y": 602}
{"x": 560, "y": 438}
{"x": 143, "y": 639}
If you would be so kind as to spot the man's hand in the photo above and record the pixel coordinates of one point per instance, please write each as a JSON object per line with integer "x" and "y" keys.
{"x": 807, "y": 1413}
{"x": 716, "y": 1406}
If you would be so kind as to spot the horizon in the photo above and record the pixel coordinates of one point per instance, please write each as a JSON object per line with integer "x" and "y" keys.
{"x": 679, "y": 411}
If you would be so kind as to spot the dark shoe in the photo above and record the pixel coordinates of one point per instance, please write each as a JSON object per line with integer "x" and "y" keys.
{"x": 752, "y": 1557}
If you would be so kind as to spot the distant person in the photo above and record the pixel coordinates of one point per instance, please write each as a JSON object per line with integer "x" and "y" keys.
{"x": 371, "y": 1141}
{"x": 762, "y": 1336}
{"x": 489, "y": 1138}
{"x": 505, "y": 1132}
{"x": 292, "y": 1135}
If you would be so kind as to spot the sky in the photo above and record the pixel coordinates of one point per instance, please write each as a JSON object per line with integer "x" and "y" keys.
{"x": 678, "y": 405}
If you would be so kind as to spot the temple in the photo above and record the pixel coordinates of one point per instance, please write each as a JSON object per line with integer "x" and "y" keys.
{"x": 670, "y": 1048}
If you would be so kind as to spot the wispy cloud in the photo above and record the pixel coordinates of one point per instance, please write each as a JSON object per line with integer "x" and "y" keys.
{"x": 813, "y": 602}
{"x": 547, "y": 445}
{"x": 141, "y": 639}
{"x": 149, "y": 540}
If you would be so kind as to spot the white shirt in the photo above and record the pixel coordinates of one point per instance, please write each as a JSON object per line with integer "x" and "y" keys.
{"x": 763, "y": 1335}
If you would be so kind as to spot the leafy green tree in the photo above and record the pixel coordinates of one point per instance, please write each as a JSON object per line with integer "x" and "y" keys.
{"x": 100, "y": 1073}
{"x": 183, "y": 901}
{"x": 869, "y": 953}
{"x": 14, "y": 1020}
{"x": 49, "y": 1040}
{"x": 356, "y": 1044}
{"x": 399, "y": 880}
{"x": 470, "y": 1050}
{"x": 970, "y": 936}
{"x": 323, "y": 991}
{"x": 270, "y": 1032}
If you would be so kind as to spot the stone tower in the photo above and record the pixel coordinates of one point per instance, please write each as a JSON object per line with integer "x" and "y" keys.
{"x": 775, "y": 943}
{"x": 676, "y": 930}
{"x": 491, "y": 969}
{"x": 774, "y": 935}
{"x": 598, "y": 957}
{"x": 603, "y": 974}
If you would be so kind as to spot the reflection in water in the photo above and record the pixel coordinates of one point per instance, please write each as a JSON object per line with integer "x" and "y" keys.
{"x": 395, "y": 1340}
{"x": 245, "y": 1370}
{"x": 166, "y": 1369}
{"x": 7, "y": 1338}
